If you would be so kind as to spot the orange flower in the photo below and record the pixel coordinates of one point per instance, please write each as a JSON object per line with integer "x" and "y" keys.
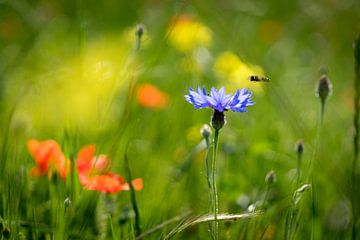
{"x": 46, "y": 154}
{"x": 150, "y": 96}
{"x": 94, "y": 175}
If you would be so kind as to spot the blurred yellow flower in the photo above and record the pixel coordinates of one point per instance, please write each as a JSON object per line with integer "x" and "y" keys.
{"x": 235, "y": 73}
{"x": 186, "y": 34}
{"x": 79, "y": 92}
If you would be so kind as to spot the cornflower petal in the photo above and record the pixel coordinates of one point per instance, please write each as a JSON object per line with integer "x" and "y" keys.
{"x": 219, "y": 100}
{"x": 241, "y": 100}
{"x": 198, "y": 99}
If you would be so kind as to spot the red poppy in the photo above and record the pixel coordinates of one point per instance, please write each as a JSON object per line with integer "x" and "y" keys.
{"x": 150, "y": 96}
{"x": 94, "y": 173}
{"x": 46, "y": 154}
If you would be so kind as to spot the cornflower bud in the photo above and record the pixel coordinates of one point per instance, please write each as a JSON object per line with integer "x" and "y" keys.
{"x": 270, "y": 177}
{"x": 324, "y": 88}
{"x": 205, "y": 131}
{"x": 299, "y": 147}
{"x": 139, "y": 30}
{"x": 67, "y": 202}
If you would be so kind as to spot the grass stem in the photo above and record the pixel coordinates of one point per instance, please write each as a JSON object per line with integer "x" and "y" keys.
{"x": 133, "y": 198}
{"x": 356, "y": 135}
{"x": 214, "y": 189}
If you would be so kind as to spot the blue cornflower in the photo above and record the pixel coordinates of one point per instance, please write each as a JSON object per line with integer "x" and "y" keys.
{"x": 219, "y": 100}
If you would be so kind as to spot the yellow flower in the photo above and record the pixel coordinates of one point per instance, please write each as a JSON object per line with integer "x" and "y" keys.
{"x": 235, "y": 73}
{"x": 78, "y": 93}
{"x": 186, "y": 34}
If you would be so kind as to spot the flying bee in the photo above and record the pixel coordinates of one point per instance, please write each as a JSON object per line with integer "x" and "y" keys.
{"x": 255, "y": 78}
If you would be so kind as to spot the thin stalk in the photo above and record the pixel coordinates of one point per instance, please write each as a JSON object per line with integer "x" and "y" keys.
{"x": 133, "y": 198}
{"x": 112, "y": 227}
{"x": 266, "y": 193}
{"x": 322, "y": 111}
{"x": 207, "y": 161}
{"x": 298, "y": 172}
{"x": 317, "y": 145}
{"x": 356, "y": 135}
{"x": 214, "y": 189}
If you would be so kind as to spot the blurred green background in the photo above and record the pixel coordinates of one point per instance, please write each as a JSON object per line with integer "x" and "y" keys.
{"x": 71, "y": 71}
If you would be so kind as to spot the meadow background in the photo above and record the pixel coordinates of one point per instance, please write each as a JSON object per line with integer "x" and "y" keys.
{"x": 78, "y": 72}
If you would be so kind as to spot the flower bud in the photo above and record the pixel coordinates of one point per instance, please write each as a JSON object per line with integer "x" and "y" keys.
{"x": 299, "y": 147}
{"x": 67, "y": 202}
{"x": 139, "y": 30}
{"x": 324, "y": 88}
{"x": 270, "y": 177}
{"x": 205, "y": 131}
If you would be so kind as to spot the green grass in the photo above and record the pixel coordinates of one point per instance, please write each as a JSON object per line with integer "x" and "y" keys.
{"x": 69, "y": 72}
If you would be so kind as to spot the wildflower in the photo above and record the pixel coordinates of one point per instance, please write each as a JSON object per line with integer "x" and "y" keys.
{"x": 94, "y": 173}
{"x": 219, "y": 100}
{"x": 47, "y": 154}
{"x": 186, "y": 34}
{"x": 150, "y": 96}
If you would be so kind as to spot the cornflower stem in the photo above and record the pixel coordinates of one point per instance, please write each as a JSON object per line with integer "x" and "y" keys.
{"x": 214, "y": 189}
{"x": 268, "y": 186}
{"x": 322, "y": 111}
{"x": 298, "y": 170}
{"x": 311, "y": 176}
{"x": 207, "y": 161}
{"x": 133, "y": 198}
